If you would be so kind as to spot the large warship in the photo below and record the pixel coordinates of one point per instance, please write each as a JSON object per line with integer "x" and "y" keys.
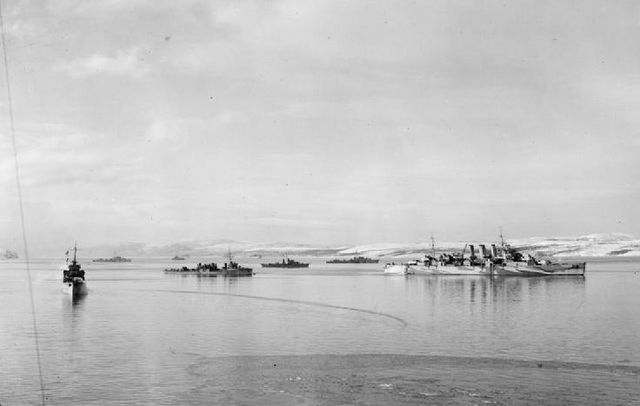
{"x": 455, "y": 263}
{"x": 510, "y": 262}
{"x": 73, "y": 277}
{"x": 286, "y": 263}
{"x": 502, "y": 260}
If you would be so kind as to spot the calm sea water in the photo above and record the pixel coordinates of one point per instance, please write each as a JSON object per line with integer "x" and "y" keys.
{"x": 137, "y": 333}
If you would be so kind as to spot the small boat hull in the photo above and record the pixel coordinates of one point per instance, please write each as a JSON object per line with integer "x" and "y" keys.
{"x": 397, "y": 269}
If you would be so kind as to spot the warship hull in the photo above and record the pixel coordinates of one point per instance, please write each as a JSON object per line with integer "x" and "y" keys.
{"x": 276, "y": 265}
{"x": 524, "y": 269}
{"x": 450, "y": 269}
{"x": 237, "y": 272}
{"x": 231, "y": 273}
{"x": 356, "y": 260}
{"x": 76, "y": 288}
{"x": 508, "y": 269}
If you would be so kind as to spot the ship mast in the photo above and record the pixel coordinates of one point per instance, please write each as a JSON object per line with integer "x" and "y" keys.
{"x": 433, "y": 246}
{"x": 229, "y": 255}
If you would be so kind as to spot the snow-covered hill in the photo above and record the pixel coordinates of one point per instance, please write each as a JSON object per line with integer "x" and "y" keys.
{"x": 593, "y": 245}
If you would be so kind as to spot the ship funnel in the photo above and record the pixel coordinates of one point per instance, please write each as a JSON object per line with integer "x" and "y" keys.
{"x": 473, "y": 251}
{"x": 494, "y": 251}
{"x": 483, "y": 251}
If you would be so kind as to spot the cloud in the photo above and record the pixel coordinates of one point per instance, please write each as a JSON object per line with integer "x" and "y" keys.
{"x": 123, "y": 63}
{"x": 51, "y": 155}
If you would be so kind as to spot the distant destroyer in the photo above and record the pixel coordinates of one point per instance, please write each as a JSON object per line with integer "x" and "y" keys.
{"x": 286, "y": 263}
{"x": 116, "y": 258}
{"x": 231, "y": 269}
{"x": 355, "y": 260}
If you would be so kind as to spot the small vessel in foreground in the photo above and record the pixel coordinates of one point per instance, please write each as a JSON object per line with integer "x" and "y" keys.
{"x": 354, "y": 260}
{"x": 286, "y": 263}
{"x": 73, "y": 277}
{"x": 116, "y": 258}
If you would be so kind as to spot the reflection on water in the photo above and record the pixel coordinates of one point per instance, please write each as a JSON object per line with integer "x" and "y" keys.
{"x": 77, "y": 301}
{"x": 483, "y": 289}
{"x": 140, "y": 328}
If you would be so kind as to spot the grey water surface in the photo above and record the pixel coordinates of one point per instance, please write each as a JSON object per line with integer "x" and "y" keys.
{"x": 140, "y": 334}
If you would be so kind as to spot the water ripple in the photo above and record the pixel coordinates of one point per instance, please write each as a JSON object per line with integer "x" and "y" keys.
{"x": 277, "y": 299}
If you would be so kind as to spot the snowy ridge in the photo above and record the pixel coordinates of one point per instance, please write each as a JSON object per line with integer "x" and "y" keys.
{"x": 592, "y": 245}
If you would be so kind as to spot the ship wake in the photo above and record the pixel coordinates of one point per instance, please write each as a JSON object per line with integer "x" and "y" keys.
{"x": 282, "y": 300}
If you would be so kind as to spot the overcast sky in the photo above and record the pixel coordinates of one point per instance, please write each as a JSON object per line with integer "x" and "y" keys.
{"x": 320, "y": 121}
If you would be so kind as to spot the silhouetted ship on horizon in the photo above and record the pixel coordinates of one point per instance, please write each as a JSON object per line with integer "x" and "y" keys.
{"x": 286, "y": 263}
{"x": 355, "y": 260}
{"x": 9, "y": 254}
{"x": 116, "y": 258}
